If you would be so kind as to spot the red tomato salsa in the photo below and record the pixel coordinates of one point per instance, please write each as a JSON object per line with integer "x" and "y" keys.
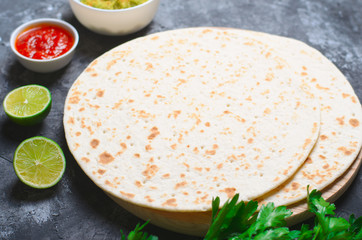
{"x": 44, "y": 42}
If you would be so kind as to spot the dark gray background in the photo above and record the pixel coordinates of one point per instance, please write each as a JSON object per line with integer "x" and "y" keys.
{"x": 76, "y": 208}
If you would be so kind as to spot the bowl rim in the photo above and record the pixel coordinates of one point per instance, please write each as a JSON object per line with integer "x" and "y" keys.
{"x": 112, "y": 10}
{"x": 51, "y": 21}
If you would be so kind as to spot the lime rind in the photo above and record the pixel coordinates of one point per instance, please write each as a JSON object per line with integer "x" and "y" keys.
{"x": 34, "y": 110}
{"x": 39, "y": 162}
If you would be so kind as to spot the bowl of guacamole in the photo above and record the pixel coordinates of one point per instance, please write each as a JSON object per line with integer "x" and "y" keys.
{"x": 113, "y": 4}
{"x": 114, "y": 17}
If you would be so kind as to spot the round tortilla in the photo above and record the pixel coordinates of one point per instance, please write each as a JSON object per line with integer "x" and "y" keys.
{"x": 340, "y": 137}
{"x": 173, "y": 119}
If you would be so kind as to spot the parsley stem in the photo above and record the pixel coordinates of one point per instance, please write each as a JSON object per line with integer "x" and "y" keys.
{"x": 317, "y": 232}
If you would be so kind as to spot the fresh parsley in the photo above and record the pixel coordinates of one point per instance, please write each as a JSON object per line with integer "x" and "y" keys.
{"x": 240, "y": 220}
{"x": 136, "y": 234}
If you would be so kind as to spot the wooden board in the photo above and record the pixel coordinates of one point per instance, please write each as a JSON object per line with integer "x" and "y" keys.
{"x": 331, "y": 193}
{"x": 197, "y": 223}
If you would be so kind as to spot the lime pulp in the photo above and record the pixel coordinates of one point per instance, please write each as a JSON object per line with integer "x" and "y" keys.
{"x": 39, "y": 162}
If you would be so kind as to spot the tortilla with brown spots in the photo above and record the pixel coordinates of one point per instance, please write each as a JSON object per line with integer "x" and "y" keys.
{"x": 173, "y": 119}
{"x": 341, "y": 117}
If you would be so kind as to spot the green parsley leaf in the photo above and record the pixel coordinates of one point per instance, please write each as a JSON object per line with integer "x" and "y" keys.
{"x": 231, "y": 219}
{"x": 305, "y": 233}
{"x": 356, "y": 226}
{"x": 278, "y": 233}
{"x": 268, "y": 218}
{"x": 136, "y": 234}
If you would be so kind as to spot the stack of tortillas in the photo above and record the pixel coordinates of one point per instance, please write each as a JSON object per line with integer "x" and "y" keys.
{"x": 166, "y": 122}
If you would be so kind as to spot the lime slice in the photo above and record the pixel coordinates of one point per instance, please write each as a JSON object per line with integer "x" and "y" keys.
{"x": 28, "y": 105}
{"x": 39, "y": 162}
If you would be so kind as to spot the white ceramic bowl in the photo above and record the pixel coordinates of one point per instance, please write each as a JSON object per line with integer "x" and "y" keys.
{"x": 115, "y": 22}
{"x": 48, "y": 65}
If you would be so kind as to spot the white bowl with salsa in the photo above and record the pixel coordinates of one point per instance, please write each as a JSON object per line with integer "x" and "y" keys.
{"x": 114, "y": 22}
{"x": 45, "y": 44}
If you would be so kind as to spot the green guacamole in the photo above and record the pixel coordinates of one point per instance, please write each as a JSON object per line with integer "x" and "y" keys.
{"x": 113, "y": 4}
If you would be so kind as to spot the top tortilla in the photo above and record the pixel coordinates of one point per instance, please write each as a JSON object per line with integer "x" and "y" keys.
{"x": 173, "y": 119}
{"x": 340, "y": 137}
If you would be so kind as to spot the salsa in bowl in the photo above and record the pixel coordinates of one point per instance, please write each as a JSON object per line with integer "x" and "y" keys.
{"x": 44, "y": 45}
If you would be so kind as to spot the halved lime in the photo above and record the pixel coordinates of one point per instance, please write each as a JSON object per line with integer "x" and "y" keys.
{"x": 28, "y": 105}
{"x": 39, "y": 162}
